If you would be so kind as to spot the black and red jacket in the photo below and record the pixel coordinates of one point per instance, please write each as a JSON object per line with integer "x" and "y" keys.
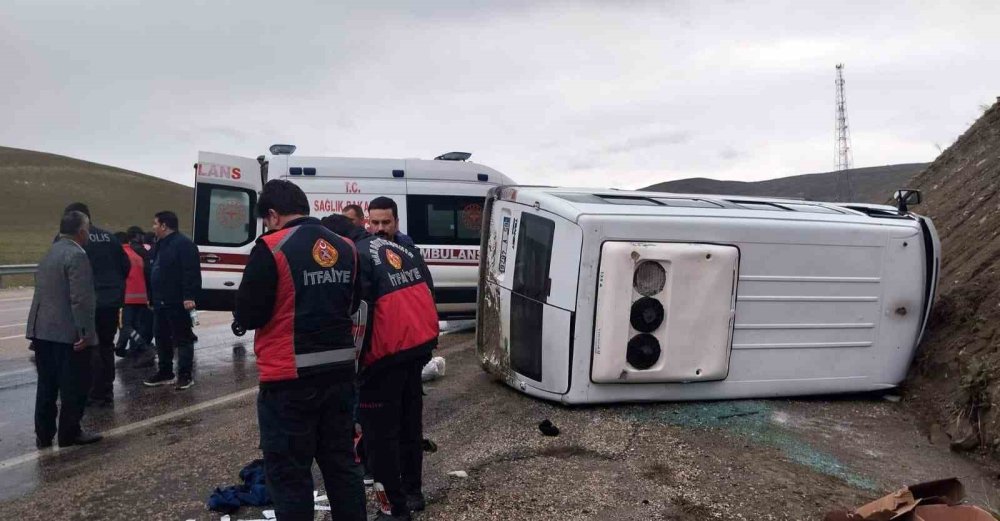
{"x": 402, "y": 319}
{"x": 299, "y": 290}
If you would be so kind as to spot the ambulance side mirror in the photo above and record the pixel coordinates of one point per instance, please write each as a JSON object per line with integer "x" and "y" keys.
{"x": 905, "y": 199}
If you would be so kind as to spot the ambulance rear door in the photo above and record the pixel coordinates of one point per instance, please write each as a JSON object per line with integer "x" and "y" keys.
{"x": 225, "y": 227}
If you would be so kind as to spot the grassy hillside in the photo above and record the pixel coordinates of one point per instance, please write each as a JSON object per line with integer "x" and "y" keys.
{"x": 957, "y": 376}
{"x": 37, "y": 186}
{"x": 871, "y": 185}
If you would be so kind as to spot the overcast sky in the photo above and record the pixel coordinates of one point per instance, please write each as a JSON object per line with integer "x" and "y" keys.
{"x": 617, "y": 93}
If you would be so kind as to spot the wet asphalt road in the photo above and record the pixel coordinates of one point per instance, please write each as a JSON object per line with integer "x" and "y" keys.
{"x": 165, "y": 451}
{"x": 224, "y": 365}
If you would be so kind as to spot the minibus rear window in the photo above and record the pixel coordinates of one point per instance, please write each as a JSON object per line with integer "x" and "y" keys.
{"x": 444, "y": 219}
{"x": 530, "y": 290}
{"x": 534, "y": 251}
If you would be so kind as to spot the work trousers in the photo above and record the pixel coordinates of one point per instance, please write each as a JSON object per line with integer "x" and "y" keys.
{"x": 392, "y": 422}
{"x": 137, "y": 321}
{"x": 173, "y": 332}
{"x": 63, "y": 374}
{"x": 106, "y": 324}
{"x": 305, "y": 423}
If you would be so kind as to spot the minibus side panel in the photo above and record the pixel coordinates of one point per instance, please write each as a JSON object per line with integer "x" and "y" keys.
{"x": 821, "y": 307}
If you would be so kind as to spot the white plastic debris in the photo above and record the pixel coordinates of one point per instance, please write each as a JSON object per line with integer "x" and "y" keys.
{"x": 459, "y": 474}
{"x": 433, "y": 370}
{"x": 269, "y": 514}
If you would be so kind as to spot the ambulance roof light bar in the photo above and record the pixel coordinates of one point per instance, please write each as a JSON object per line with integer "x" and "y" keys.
{"x": 454, "y": 156}
{"x": 282, "y": 150}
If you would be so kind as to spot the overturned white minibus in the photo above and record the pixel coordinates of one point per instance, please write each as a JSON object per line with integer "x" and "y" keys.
{"x": 590, "y": 296}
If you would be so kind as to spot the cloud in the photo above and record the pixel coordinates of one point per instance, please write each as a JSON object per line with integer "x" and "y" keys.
{"x": 547, "y": 92}
{"x": 730, "y": 153}
{"x": 648, "y": 141}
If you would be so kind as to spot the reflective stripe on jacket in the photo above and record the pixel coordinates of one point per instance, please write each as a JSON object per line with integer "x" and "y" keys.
{"x": 309, "y": 330}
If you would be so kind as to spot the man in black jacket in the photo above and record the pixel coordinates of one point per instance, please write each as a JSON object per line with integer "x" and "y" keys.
{"x": 299, "y": 289}
{"x": 174, "y": 285}
{"x": 110, "y": 266}
{"x": 402, "y": 331}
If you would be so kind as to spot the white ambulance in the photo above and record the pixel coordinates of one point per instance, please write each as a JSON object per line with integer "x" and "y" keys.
{"x": 440, "y": 206}
{"x": 593, "y": 296}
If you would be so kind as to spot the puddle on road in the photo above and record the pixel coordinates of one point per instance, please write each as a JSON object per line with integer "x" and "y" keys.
{"x": 755, "y": 421}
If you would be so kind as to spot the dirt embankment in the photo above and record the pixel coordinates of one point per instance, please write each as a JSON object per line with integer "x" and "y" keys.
{"x": 956, "y": 378}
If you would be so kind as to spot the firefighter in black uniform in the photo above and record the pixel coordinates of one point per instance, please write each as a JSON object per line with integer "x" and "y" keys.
{"x": 402, "y": 332}
{"x": 299, "y": 290}
{"x": 111, "y": 267}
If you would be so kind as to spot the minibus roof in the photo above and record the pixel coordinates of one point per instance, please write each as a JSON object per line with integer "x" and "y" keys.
{"x": 572, "y": 203}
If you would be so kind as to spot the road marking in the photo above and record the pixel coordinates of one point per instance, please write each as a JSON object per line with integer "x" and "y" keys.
{"x": 15, "y": 309}
{"x": 14, "y": 325}
{"x": 12, "y": 336}
{"x": 16, "y": 372}
{"x": 132, "y": 427}
{"x": 17, "y": 299}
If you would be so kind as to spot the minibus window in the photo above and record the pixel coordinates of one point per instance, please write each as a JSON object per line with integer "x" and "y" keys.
{"x": 224, "y": 216}
{"x": 530, "y": 290}
{"x": 754, "y": 205}
{"x": 443, "y": 219}
{"x": 534, "y": 251}
{"x": 810, "y": 208}
{"x": 687, "y": 203}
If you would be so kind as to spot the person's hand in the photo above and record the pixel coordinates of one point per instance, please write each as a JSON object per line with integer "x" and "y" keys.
{"x": 188, "y": 305}
{"x": 79, "y": 345}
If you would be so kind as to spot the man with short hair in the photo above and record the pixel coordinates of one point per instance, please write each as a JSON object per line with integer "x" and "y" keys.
{"x": 299, "y": 290}
{"x": 61, "y": 327}
{"x": 174, "y": 285}
{"x": 110, "y": 266}
{"x": 355, "y": 214}
{"x": 402, "y": 331}
{"x": 383, "y": 221}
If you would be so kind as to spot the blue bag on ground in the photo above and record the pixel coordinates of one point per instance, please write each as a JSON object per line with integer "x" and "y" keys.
{"x": 253, "y": 491}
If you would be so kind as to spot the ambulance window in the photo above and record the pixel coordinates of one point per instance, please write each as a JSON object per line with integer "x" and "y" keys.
{"x": 443, "y": 219}
{"x": 534, "y": 251}
{"x": 224, "y": 216}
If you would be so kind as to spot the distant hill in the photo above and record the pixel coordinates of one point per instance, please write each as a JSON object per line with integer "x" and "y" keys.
{"x": 870, "y": 185}
{"x": 37, "y": 186}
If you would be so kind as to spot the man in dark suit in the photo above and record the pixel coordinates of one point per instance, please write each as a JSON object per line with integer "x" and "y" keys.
{"x": 61, "y": 327}
{"x": 174, "y": 285}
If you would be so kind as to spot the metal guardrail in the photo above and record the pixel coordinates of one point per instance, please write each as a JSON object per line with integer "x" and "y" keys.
{"x": 16, "y": 269}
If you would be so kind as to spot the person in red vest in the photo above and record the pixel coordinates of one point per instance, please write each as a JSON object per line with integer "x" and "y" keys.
{"x": 402, "y": 331}
{"x": 137, "y": 319}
